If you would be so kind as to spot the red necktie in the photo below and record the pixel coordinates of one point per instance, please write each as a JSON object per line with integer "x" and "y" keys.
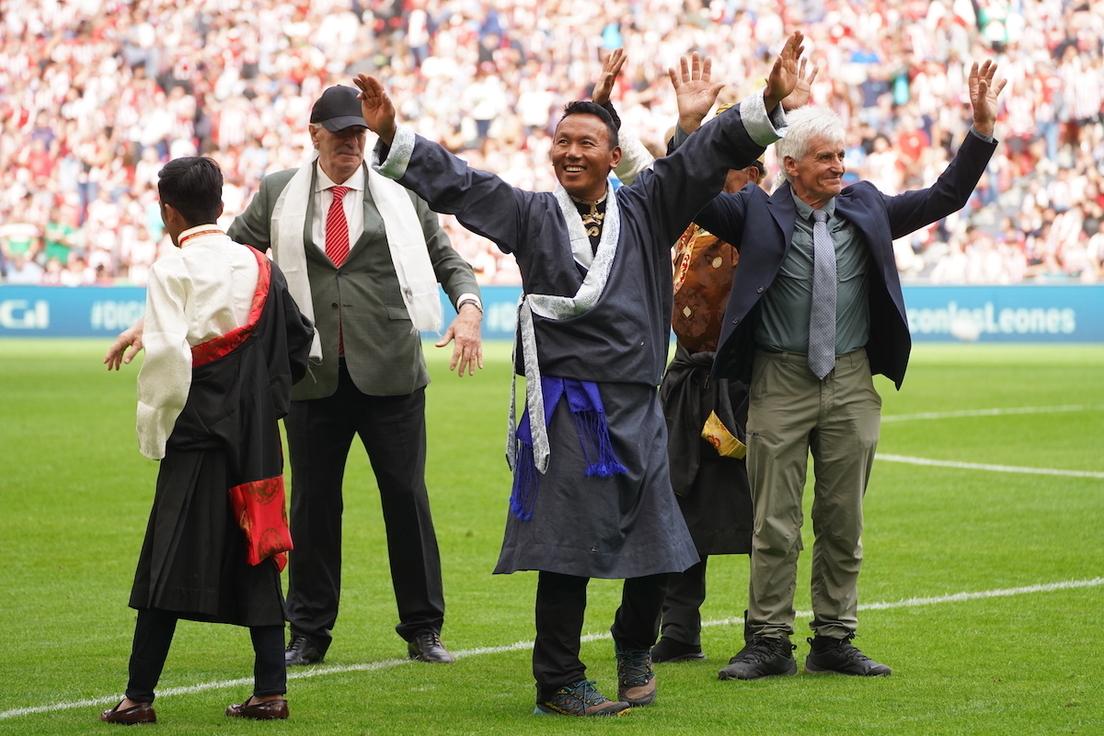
{"x": 337, "y": 228}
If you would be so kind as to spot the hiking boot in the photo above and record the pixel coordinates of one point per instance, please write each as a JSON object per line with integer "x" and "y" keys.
{"x": 580, "y": 699}
{"x": 669, "y": 650}
{"x": 830, "y": 656}
{"x": 636, "y": 683}
{"x": 762, "y": 657}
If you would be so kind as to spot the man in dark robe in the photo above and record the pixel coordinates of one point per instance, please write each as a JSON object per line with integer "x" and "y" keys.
{"x": 592, "y": 494}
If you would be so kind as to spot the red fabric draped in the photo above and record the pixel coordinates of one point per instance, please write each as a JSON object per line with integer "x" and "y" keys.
{"x": 218, "y": 347}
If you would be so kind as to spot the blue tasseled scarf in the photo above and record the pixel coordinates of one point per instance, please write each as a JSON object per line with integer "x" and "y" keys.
{"x": 589, "y": 414}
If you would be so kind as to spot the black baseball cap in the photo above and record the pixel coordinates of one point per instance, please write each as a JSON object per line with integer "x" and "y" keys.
{"x": 337, "y": 109}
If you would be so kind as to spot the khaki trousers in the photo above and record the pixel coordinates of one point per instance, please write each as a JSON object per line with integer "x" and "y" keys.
{"x": 791, "y": 414}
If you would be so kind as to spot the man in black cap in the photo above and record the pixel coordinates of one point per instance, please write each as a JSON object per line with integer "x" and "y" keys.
{"x": 363, "y": 257}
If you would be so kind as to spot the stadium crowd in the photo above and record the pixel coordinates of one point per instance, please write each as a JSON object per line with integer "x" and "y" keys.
{"x": 96, "y": 95}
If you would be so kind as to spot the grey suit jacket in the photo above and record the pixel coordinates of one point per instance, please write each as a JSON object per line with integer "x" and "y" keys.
{"x": 362, "y": 298}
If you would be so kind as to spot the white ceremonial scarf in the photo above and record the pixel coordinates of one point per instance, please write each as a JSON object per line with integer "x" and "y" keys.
{"x": 405, "y": 239}
{"x": 555, "y": 307}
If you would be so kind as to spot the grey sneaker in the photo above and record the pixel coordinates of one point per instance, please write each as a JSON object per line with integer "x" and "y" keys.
{"x": 762, "y": 657}
{"x": 636, "y": 683}
{"x": 580, "y": 699}
{"x": 830, "y": 656}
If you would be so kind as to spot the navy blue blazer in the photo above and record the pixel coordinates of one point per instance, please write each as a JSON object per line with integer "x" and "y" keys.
{"x": 761, "y": 227}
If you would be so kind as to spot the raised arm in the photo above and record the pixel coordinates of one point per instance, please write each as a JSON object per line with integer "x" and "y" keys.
{"x": 983, "y": 96}
{"x": 695, "y": 91}
{"x": 785, "y": 72}
{"x": 610, "y": 70}
{"x": 376, "y": 108}
{"x": 803, "y": 90}
{"x": 482, "y": 201}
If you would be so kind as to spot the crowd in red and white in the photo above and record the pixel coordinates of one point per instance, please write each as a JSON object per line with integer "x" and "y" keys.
{"x": 95, "y": 95}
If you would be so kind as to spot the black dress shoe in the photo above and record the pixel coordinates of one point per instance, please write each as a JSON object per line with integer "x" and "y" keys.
{"x": 427, "y": 646}
{"x": 300, "y": 651}
{"x": 140, "y": 713}
{"x": 261, "y": 710}
{"x": 669, "y": 650}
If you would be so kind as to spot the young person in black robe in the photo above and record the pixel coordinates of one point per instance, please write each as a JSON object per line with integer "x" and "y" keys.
{"x": 224, "y": 343}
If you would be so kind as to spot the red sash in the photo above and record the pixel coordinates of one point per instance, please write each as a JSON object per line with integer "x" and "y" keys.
{"x": 259, "y": 506}
{"x": 217, "y": 347}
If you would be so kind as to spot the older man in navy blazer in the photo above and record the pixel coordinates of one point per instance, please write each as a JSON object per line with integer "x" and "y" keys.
{"x": 810, "y": 370}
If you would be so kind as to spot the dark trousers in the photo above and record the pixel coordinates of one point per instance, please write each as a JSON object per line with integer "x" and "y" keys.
{"x": 681, "y": 618}
{"x": 320, "y": 433}
{"x": 561, "y": 604}
{"x": 153, "y": 634}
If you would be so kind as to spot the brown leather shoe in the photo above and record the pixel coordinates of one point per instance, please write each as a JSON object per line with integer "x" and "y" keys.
{"x": 428, "y": 647}
{"x": 261, "y": 710}
{"x": 140, "y": 713}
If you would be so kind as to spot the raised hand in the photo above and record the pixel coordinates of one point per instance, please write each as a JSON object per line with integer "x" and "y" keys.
{"x": 610, "y": 69}
{"x": 784, "y": 75}
{"x": 983, "y": 96}
{"x": 695, "y": 92}
{"x": 804, "y": 89}
{"x": 376, "y": 107}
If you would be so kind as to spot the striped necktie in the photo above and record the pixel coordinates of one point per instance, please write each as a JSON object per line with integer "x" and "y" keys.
{"x": 822, "y": 314}
{"x": 337, "y": 228}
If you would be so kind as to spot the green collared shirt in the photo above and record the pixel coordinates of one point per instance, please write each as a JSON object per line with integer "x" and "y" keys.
{"x": 785, "y": 317}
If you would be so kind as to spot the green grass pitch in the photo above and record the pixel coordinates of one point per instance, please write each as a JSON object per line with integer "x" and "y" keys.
{"x": 983, "y": 585}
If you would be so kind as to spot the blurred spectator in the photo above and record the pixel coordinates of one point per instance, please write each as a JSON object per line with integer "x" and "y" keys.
{"x": 22, "y": 270}
{"x": 96, "y": 96}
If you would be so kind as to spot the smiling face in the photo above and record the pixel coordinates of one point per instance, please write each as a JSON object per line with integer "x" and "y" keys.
{"x": 582, "y": 156}
{"x": 818, "y": 175}
{"x": 340, "y": 154}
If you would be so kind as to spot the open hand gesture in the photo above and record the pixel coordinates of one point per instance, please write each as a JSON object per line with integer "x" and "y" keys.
{"x": 695, "y": 91}
{"x": 610, "y": 69}
{"x": 804, "y": 89}
{"x": 983, "y": 96}
{"x": 376, "y": 107}
{"x": 785, "y": 73}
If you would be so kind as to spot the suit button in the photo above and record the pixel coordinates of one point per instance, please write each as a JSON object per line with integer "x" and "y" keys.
{"x": 760, "y": 290}
{"x": 334, "y": 305}
{"x": 736, "y": 321}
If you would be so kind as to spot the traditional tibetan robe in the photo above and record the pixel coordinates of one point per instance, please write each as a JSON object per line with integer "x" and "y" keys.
{"x": 706, "y": 416}
{"x": 219, "y": 372}
{"x": 597, "y": 318}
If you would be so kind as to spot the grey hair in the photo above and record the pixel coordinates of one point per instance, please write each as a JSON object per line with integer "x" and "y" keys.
{"x": 807, "y": 124}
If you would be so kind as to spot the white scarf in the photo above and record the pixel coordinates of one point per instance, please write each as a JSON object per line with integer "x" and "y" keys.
{"x": 417, "y": 281}
{"x": 551, "y": 306}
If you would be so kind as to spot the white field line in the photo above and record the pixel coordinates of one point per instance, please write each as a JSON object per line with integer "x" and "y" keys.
{"x": 524, "y": 645}
{"x": 983, "y": 466}
{"x": 990, "y": 412}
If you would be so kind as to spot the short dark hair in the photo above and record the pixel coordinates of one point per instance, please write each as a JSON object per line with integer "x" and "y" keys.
{"x": 586, "y": 107}
{"x": 758, "y": 164}
{"x": 192, "y": 185}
